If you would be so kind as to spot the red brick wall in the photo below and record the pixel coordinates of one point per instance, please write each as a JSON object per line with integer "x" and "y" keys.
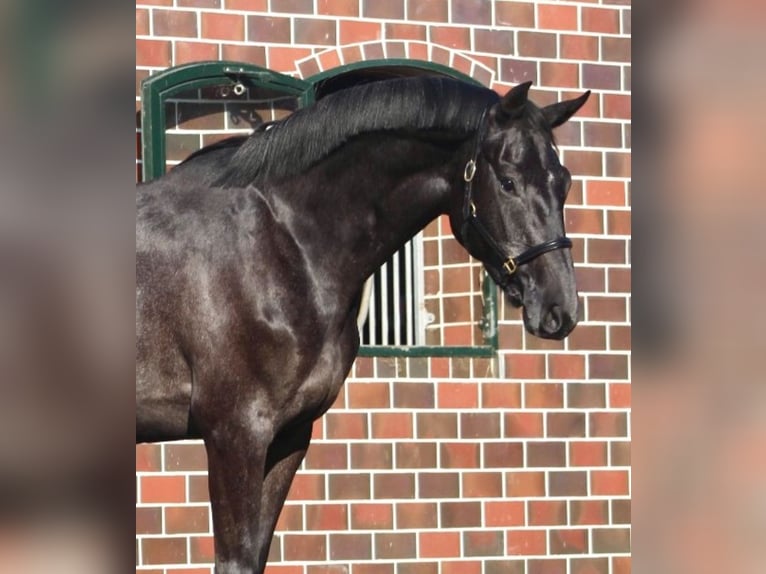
{"x": 514, "y": 464}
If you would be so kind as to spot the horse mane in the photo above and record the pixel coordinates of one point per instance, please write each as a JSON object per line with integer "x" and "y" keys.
{"x": 292, "y": 145}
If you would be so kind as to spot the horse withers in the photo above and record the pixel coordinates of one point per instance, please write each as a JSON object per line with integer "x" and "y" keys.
{"x": 249, "y": 277}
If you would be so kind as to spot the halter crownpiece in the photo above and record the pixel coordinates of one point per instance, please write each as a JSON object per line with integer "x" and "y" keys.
{"x": 507, "y": 263}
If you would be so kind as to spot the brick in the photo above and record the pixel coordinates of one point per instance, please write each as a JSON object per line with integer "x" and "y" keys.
{"x": 428, "y": 10}
{"x": 368, "y": 395}
{"x": 199, "y": 3}
{"x": 601, "y": 77}
{"x": 566, "y": 366}
{"x": 457, "y": 395}
{"x": 601, "y": 20}
{"x": 388, "y": 10}
{"x": 583, "y": 162}
{"x": 578, "y": 47}
{"x": 480, "y": 425}
{"x": 525, "y": 484}
{"x": 148, "y": 520}
{"x": 547, "y": 512}
{"x": 607, "y": 309}
{"x": 415, "y": 455}
{"x": 346, "y": 425}
{"x": 187, "y": 519}
{"x": 374, "y": 568}
{"x": 608, "y": 367}
{"x": 493, "y": 41}
{"x": 482, "y": 484}
{"x": 461, "y": 566}
{"x": 372, "y": 516}
{"x": 523, "y": 425}
{"x": 619, "y": 223}
{"x": 601, "y": 134}
{"x": 291, "y": 518}
{"x": 318, "y": 32}
{"x": 350, "y": 546}
{"x": 459, "y": 455}
{"x": 155, "y": 489}
{"x": 397, "y": 31}
{"x": 439, "y": 544}
{"x": 617, "y": 106}
{"x": 392, "y": 425}
{"x": 611, "y": 540}
{"x": 371, "y": 456}
{"x": 142, "y": 22}
{"x": 568, "y": 483}
{"x": 293, "y": 6}
{"x": 610, "y": 482}
{"x": 307, "y": 486}
{"x": 349, "y": 486}
{"x": 504, "y": 513}
{"x": 505, "y": 567}
{"x": 268, "y": 29}
{"x": 414, "y": 395}
{"x": 608, "y": 424}
{"x": 515, "y": 14}
{"x": 619, "y": 337}
{"x": 556, "y": 17}
{"x": 163, "y": 550}
{"x": 503, "y": 454}
{"x": 394, "y": 485}
{"x": 304, "y": 547}
{"x": 180, "y": 457}
{"x": 618, "y": 164}
{"x": 483, "y": 543}
{"x": 537, "y": 44}
{"x": 606, "y": 193}
{"x": 438, "y": 485}
{"x": 148, "y": 457}
{"x": 395, "y": 545}
{"x": 563, "y": 425}
{"x": 202, "y": 549}
{"x": 621, "y": 564}
{"x": 250, "y": 54}
{"x": 223, "y": 26}
{"x": 619, "y": 395}
{"x": 190, "y": 52}
{"x": 621, "y": 511}
{"x": 590, "y": 566}
{"x": 526, "y": 542}
{"x": 353, "y": 31}
{"x": 546, "y": 454}
{"x": 543, "y": 395}
{"x": 477, "y": 12}
{"x": 198, "y": 489}
{"x": 588, "y": 512}
{"x": 587, "y": 454}
{"x": 500, "y": 395}
{"x": 416, "y": 515}
{"x": 326, "y": 517}
{"x": 587, "y": 337}
{"x": 589, "y": 280}
{"x": 584, "y": 221}
{"x": 547, "y": 566}
{"x": 175, "y": 23}
{"x": 525, "y": 366}
{"x": 586, "y": 396}
{"x": 460, "y": 514}
{"x": 451, "y": 36}
{"x": 619, "y": 454}
{"x": 338, "y": 7}
{"x": 436, "y": 425}
{"x": 570, "y": 541}
{"x": 418, "y": 568}
{"x": 327, "y": 456}
{"x": 155, "y": 53}
{"x": 248, "y": 5}
{"x": 606, "y": 251}
{"x": 559, "y": 74}
{"x": 615, "y": 49}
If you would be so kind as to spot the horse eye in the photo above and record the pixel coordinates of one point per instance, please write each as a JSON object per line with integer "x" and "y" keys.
{"x": 507, "y": 184}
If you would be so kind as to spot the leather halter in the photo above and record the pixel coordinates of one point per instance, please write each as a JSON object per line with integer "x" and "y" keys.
{"x": 500, "y": 259}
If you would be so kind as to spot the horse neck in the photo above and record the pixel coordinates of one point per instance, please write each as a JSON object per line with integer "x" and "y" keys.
{"x": 370, "y": 197}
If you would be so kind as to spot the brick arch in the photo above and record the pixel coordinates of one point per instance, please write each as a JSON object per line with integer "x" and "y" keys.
{"x": 412, "y": 49}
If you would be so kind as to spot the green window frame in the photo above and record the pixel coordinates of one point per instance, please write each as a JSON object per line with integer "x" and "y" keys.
{"x": 156, "y": 89}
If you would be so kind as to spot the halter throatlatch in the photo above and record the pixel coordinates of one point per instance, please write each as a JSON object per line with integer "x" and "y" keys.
{"x": 501, "y": 259}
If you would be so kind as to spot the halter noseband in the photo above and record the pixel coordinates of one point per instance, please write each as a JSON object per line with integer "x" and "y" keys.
{"x": 508, "y": 264}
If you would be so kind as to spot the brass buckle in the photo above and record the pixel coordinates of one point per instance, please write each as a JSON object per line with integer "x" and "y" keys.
{"x": 470, "y": 171}
{"x": 510, "y": 266}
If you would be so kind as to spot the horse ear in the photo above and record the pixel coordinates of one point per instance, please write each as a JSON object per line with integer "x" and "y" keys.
{"x": 512, "y": 104}
{"x": 558, "y": 113}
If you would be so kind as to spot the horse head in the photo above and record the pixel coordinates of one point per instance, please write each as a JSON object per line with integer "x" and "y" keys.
{"x": 510, "y": 214}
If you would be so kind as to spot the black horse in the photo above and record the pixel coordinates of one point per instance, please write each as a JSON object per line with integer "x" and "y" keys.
{"x": 249, "y": 278}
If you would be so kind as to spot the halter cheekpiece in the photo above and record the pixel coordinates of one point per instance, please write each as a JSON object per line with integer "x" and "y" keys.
{"x": 503, "y": 261}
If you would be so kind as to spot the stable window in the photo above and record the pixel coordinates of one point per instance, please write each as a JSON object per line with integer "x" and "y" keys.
{"x": 430, "y": 298}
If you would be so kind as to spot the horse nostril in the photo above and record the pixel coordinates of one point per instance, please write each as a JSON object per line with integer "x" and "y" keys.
{"x": 553, "y": 320}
